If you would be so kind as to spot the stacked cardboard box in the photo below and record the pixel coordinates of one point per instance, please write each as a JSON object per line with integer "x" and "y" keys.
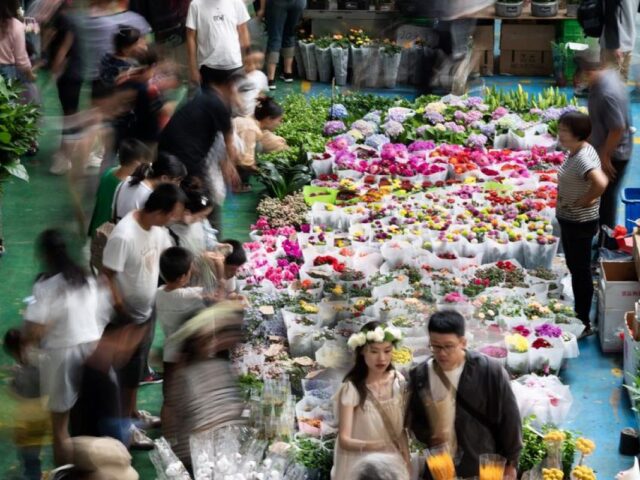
{"x": 483, "y": 58}
{"x": 618, "y": 292}
{"x": 526, "y": 49}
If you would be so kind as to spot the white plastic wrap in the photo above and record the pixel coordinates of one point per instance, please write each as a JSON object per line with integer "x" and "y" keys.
{"x": 545, "y": 397}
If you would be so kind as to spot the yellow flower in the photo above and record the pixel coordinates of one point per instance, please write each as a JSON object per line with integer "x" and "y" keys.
{"x": 582, "y": 472}
{"x": 517, "y": 343}
{"x": 337, "y": 290}
{"x": 585, "y": 446}
{"x": 401, "y": 356}
{"x": 308, "y": 307}
{"x": 470, "y": 180}
{"x": 552, "y": 474}
{"x": 555, "y": 436}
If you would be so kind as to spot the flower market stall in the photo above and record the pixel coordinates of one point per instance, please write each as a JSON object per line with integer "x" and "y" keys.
{"x": 406, "y": 208}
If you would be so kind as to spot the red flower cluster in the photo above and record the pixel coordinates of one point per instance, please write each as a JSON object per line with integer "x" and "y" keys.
{"x": 506, "y": 265}
{"x": 481, "y": 281}
{"x": 329, "y": 260}
{"x": 541, "y": 343}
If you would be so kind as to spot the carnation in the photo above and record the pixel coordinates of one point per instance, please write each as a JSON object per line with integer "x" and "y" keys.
{"x": 333, "y": 127}
{"x": 338, "y": 111}
{"x": 393, "y": 128}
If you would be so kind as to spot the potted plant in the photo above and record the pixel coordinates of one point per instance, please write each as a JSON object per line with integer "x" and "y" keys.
{"x": 509, "y": 8}
{"x": 308, "y": 53}
{"x": 340, "y": 58}
{"x": 572, "y": 8}
{"x": 544, "y": 8}
{"x": 18, "y": 134}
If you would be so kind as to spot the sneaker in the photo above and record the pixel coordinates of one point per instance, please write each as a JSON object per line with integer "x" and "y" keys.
{"x": 586, "y": 333}
{"x": 287, "y": 77}
{"x": 272, "y": 84}
{"x": 146, "y": 419}
{"x": 61, "y": 164}
{"x": 140, "y": 440}
{"x": 153, "y": 377}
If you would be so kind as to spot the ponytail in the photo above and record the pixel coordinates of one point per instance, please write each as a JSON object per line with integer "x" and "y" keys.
{"x": 267, "y": 107}
{"x": 165, "y": 165}
{"x": 53, "y": 249}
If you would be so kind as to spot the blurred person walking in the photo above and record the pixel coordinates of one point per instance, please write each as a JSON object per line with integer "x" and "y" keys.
{"x": 64, "y": 320}
{"x": 14, "y": 60}
{"x": 131, "y": 262}
{"x": 609, "y": 112}
{"x": 619, "y": 36}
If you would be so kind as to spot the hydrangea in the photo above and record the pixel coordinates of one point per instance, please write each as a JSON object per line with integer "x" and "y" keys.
{"x": 357, "y": 134}
{"x": 393, "y": 129}
{"x": 454, "y": 101}
{"x": 499, "y": 113}
{"x": 374, "y": 117}
{"x": 333, "y": 127}
{"x": 473, "y": 116}
{"x": 347, "y": 138}
{"x": 421, "y": 130}
{"x": 476, "y": 140}
{"x": 366, "y": 127}
{"x": 377, "y": 141}
{"x": 552, "y": 113}
{"x": 433, "y": 117}
{"x": 488, "y": 129}
{"x": 400, "y": 114}
{"x": 454, "y": 127}
{"x": 473, "y": 102}
{"x": 421, "y": 145}
{"x": 338, "y": 111}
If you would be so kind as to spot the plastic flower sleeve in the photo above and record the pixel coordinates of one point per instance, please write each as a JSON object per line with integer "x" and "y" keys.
{"x": 389, "y": 65}
{"x": 539, "y": 255}
{"x": 340, "y": 59}
{"x": 361, "y": 57}
{"x": 308, "y": 53}
{"x": 324, "y": 63}
{"x": 545, "y": 397}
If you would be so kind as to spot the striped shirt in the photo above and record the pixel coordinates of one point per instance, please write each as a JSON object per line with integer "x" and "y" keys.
{"x": 573, "y": 185}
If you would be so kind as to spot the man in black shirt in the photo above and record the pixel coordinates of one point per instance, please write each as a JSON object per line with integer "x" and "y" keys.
{"x": 192, "y": 131}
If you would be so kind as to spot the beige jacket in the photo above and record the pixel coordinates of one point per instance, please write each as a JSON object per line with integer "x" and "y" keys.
{"x": 253, "y": 137}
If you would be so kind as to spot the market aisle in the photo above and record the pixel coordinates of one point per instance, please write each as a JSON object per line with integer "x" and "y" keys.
{"x": 600, "y": 408}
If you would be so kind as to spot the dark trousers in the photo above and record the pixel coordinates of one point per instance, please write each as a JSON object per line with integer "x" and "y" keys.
{"x": 577, "y": 239}
{"x": 30, "y": 457}
{"x": 611, "y": 197}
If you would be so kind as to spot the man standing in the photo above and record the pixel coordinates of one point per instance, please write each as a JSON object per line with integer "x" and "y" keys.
{"x": 131, "y": 262}
{"x": 463, "y": 399}
{"x": 610, "y": 129}
{"x": 217, "y": 37}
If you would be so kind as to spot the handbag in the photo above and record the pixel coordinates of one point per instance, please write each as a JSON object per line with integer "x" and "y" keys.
{"x": 395, "y": 439}
{"x": 101, "y": 236}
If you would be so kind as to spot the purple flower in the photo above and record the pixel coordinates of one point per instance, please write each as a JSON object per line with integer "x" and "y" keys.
{"x": 548, "y": 330}
{"x": 421, "y": 145}
{"x": 365, "y": 127}
{"x": 393, "y": 129}
{"x": 400, "y": 114}
{"x": 476, "y": 140}
{"x": 499, "y": 113}
{"x": 454, "y": 127}
{"x": 347, "y": 138}
{"x": 488, "y": 129}
{"x": 283, "y": 262}
{"x": 305, "y": 228}
{"x": 460, "y": 116}
{"x": 433, "y": 117}
{"x": 338, "y": 111}
{"x": 473, "y": 116}
{"x": 333, "y": 127}
{"x": 551, "y": 114}
{"x": 421, "y": 130}
{"x": 473, "y": 102}
{"x": 377, "y": 141}
{"x": 374, "y": 117}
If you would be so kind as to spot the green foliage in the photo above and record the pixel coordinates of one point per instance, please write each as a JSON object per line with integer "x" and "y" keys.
{"x": 284, "y": 180}
{"x": 534, "y": 449}
{"x": 18, "y": 129}
{"x": 323, "y": 42}
{"x": 249, "y": 382}
{"x": 315, "y": 455}
{"x": 520, "y": 101}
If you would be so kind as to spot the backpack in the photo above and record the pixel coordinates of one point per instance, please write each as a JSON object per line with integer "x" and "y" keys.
{"x": 591, "y": 17}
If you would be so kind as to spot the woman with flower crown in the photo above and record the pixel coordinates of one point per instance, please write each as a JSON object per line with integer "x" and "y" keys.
{"x": 370, "y": 403}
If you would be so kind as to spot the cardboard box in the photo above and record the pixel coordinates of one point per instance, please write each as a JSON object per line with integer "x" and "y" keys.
{"x": 631, "y": 349}
{"x": 482, "y": 60}
{"x": 619, "y": 285}
{"x": 610, "y": 327}
{"x": 526, "y": 49}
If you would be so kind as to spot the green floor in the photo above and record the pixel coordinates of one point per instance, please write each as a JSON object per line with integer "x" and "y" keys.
{"x": 44, "y": 202}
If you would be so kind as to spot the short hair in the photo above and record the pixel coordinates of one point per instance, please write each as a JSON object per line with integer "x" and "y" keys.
{"x": 380, "y": 466}
{"x": 149, "y": 58}
{"x": 174, "y": 263}
{"x": 267, "y": 107}
{"x": 126, "y": 36}
{"x": 164, "y": 198}
{"x": 447, "y": 321}
{"x": 132, "y": 150}
{"x": 578, "y": 124}
{"x": 237, "y": 257}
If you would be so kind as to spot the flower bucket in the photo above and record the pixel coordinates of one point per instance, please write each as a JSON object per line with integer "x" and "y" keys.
{"x": 575, "y": 327}
{"x": 299, "y": 62}
{"x": 389, "y": 65}
{"x": 372, "y": 79}
{"x": 308, "y": 53}
{"x": 321, "y": 165}
{"x": 547, "y": 359}
{"x": 340, "y": 59}
{"x": 301, "y": 341}
{"x": 544, "y": 9}
{"x": 508, "y": 10}
{"x": 571, "y": 349}
{"x": 464, "y": 309}
{"x": 361, "y": 57}
{"x": 536, "y": 255}
{"x": 329, "y": 311}
{"x": 395, "y": 252}
{"x": 395, "y": 287}
{"x": 351, "y": 174}
{"x": 518, "y": 362}
{"x": 324, "y": 62}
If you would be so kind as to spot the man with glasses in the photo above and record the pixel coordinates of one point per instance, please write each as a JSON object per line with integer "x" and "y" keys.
{"x": 463, "y": 399}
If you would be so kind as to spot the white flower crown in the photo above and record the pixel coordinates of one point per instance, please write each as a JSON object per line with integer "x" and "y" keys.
{"x": 386, "y": 333}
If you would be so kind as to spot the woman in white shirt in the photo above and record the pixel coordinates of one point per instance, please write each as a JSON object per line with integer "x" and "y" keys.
{"x": 134, "y": 191}
{"x": 64, "y": 318}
